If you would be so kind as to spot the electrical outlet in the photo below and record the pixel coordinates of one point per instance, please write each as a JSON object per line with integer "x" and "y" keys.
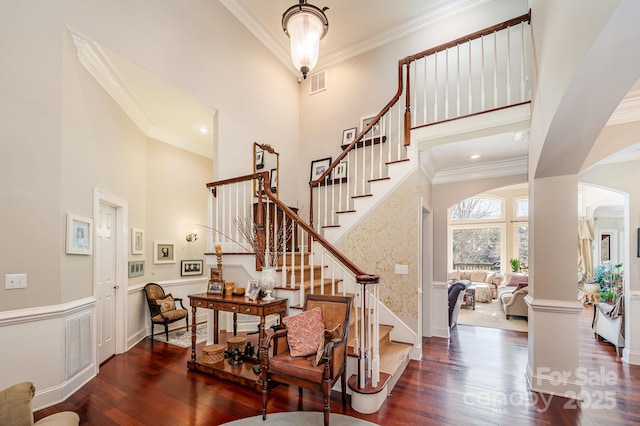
{"x": 402, "y": 269}
{"x": 12, "y": 281}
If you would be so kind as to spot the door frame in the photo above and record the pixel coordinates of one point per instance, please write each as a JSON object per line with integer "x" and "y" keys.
{"x": 121, "y": 257}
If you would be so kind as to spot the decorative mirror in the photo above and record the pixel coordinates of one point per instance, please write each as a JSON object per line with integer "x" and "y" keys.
{"x": 266, "y": 159}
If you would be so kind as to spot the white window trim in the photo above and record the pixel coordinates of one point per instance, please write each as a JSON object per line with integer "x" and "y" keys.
{"x": 515, "y": 207}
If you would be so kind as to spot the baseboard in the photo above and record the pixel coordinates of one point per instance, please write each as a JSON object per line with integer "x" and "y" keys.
{"x": 57, "y": 394}
{"x": 440, "y": 332}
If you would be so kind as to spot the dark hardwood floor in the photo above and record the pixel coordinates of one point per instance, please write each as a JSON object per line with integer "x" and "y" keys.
{"x": 475, "y": 378}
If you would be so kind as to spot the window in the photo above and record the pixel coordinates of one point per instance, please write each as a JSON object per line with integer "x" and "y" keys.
{"x": 477, "y": 209}
{"x": 522, "y": 207}
{"x": 522, "y": 243}
{"x": 477, "y": 233}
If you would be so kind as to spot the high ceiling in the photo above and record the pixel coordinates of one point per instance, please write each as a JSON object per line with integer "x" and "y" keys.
{"x": 189, "y": 125}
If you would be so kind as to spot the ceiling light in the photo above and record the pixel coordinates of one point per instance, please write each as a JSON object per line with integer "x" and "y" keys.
{"x": 474, "y": 156}
{"x": 203, "y": 129}
{"x": 305, "y": 25}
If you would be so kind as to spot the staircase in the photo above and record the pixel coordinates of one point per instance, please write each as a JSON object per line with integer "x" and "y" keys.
{"x": 394, "y": 356}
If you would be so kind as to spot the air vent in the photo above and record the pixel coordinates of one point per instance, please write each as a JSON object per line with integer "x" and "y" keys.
{"x": 318, "y": 82}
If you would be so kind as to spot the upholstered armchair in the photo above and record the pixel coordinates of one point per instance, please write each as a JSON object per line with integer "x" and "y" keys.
{"x": 311, "y": 351}
{"x": 608, "y": 323}
{"x": 162, "y": 308}
{"x": 16, "y": 408}
{"x": 513, "y": 303}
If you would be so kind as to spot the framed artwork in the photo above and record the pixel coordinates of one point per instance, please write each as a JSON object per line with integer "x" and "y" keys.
{"x": 137, "y": 241}
{"x": 79, "y": 235}
{"x": 349, "y": 135}
{"x": 136, "y": 268}
{"x": 340, "y": 170}
{"x": 273, "y": 180}
{"x": 318, "y": 167}
{"x": 253, "y": 289}
{"x": 163, "y": 252}
{"x": 259, "y": 160}
{"x": 215, "y": 287}
{"x": 191, "y": 267}
{"x": 376, "y": 131}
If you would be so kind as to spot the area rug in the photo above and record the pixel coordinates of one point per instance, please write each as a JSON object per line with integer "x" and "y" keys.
{"x": 182, "y": 337}
{"x": 490, "y": 315}
{"x": 296, "y": 418}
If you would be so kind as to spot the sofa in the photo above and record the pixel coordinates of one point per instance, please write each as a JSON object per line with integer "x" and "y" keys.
{"x": 491, "y": 278}
{"x": 511, "y": 281}
{"x": 513, "y": 303}
{"x": 15, "y": 409}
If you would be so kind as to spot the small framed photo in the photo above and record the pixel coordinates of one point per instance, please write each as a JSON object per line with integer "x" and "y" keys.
{"x": 259, "y": 160}
{"x": 136, "y": 268}
{"x": 191, "y": 267}
{"x": 163, "y": 252}
{"x": 376, "y": 131}
{"x": 215, "y": 287}
{"x": 273, "y": 180}
{"x": 318, "y": 167}
{"x": 79, "y": 235}
{"x": 253, "y": 289}
{"x": 137, "y": 241}
{"x": 349, "y": 135}
{"x": 340, "y": 171}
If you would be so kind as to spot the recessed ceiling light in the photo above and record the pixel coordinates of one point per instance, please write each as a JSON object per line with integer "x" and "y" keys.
{"x": 203, "y": 129}
{"x": 474, "y": 156}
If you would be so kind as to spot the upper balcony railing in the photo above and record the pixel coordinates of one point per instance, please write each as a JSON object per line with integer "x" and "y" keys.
{"x": 478, "y": 73}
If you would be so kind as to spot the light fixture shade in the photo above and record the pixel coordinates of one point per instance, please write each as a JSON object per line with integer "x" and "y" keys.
{"x": 305, "y": 25}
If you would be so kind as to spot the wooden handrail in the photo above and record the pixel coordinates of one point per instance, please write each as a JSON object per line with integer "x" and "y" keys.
{"x": 469, "y": 37}
{"x": 361, "y": 276}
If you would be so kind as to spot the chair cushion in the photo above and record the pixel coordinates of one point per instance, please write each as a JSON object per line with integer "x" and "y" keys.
{"x": 301, "y": 367}
{"x": 516, "y": 279}
{"x": 15, "y": 404}
{"x": 166, "y": 304}
{"x": 170, "y": 316}
{"x": 305, "y": 332}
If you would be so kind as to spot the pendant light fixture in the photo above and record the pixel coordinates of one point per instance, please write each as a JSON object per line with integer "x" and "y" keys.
{"x": 306, "y": 25}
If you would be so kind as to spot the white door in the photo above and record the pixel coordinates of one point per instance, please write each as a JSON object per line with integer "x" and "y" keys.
{"x": 106, "y": 283}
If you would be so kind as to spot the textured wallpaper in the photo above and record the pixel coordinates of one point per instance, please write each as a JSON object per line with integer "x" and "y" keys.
{"x": 386, "y": 237}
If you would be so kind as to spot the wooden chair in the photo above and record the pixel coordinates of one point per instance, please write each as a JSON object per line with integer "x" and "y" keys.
{"x": 302, "y": 371}
{"x": 160, "y": 316}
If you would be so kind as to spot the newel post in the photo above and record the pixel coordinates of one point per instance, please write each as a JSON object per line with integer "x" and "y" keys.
{"x": 407, "y": 108}
{"x": 363, "y": 353}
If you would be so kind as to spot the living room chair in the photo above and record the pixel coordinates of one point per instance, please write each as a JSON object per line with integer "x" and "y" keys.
{"x": 456, "y": 296}
{"x": 16, "y": 408}
{"x": 162, "y": 308}
{"x": 513, "y": 303}
{"x": 311, "y": 351}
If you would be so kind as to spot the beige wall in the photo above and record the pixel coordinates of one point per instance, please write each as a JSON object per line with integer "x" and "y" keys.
{"x": 63, "y": 136}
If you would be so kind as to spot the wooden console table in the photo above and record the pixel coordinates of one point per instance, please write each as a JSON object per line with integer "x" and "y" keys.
{"x": 243, "y": 373}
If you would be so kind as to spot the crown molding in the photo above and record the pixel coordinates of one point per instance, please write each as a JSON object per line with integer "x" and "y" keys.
{"x": 627, "y": 111}
{"x": 96, "y": 62}
{"x": 443, "y": 10}
{"x": 482, "y": 171}
{"x": 440, "y": 12}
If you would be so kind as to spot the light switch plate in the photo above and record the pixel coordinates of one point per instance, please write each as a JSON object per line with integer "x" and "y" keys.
{"x": 402, "y": 269}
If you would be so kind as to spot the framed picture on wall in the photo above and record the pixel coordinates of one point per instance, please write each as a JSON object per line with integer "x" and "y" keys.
{"x": 273, "y": 180}
{"x": 136, "y": 268}
{"x": 163, "y": 252}
{"x": 259, "y": 160}
{"x": 191, "y": 267}
{"x": 376, "y": 131}
{"x": 318, "y": 167}
{"x": 348, "y": 136}
{"x": 79, "y": 235}
{"x": 137, "y": 241}
{"x": 340, "y": 171}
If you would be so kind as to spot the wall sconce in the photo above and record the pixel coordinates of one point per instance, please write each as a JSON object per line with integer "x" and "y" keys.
{"x": 192, "y": 237}
{"x": 305, "y": 25}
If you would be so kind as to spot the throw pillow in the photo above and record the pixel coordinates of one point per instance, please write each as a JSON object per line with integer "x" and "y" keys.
{"x": 329, "y": 335}
{"x": 521, "y": 285}
{"x": 166, "y": 304}
{"x": 516, "y": 279}
{"x": 305, "y": 332}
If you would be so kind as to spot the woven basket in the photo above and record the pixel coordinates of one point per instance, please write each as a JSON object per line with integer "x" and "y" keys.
{"x": 236, "y": 342}
{"x": 212, "y": 354}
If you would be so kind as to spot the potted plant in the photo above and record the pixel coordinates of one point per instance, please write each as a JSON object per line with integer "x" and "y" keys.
{"x": 515, "y": 264}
